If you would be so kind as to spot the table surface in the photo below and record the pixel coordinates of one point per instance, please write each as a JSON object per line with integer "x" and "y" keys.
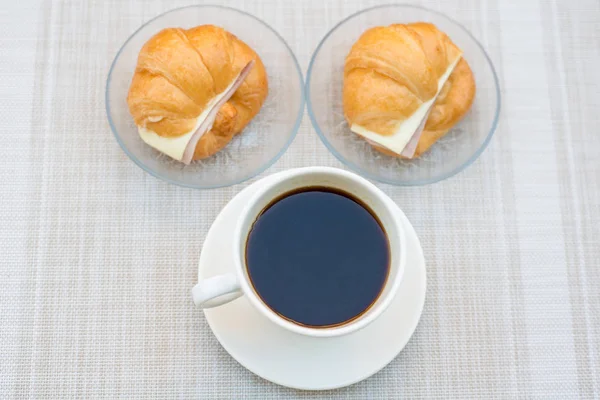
{"x": 98, "y": 257}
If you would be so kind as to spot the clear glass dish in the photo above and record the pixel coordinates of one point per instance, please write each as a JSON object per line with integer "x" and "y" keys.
{"x": 263, "y": 141}
{"x": 451, "y": 154}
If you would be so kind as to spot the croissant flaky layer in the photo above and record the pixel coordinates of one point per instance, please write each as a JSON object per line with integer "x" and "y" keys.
{"x": 394, "y": 73}
{"x": 181, "y": 75}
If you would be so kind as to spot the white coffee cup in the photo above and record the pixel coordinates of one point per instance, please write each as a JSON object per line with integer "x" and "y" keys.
{"x": 221, "y": 289}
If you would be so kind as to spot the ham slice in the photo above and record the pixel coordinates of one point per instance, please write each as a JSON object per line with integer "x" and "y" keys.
{"x": 207, "y": 124}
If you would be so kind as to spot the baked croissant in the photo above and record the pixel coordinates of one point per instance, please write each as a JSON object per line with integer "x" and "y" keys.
{"x": 194, "y": 89}
{"x": 405, "y": 86}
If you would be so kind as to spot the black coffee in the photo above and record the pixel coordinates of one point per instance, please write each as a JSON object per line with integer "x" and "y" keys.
{"x": 318, "y": 257}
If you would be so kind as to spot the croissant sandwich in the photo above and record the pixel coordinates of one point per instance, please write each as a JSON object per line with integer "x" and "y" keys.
{"x": 405, "y": 86}
{"x": 194, "y": 89}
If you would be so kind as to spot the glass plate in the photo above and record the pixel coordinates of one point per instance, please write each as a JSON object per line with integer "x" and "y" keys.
{"x": 451, "y": 154}
{"x": 263, "y": 141}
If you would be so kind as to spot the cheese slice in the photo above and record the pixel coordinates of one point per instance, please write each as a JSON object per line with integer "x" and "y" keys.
{"x": 176, "y": 146}
{"x": 405, "y": 130}
{"x": 173, "y": 146}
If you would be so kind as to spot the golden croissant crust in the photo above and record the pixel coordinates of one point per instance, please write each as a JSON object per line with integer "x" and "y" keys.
{"x": 391, "y": 71}
{"x": 180, "y": 72}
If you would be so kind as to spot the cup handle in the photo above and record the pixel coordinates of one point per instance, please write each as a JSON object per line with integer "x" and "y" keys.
{"x": 216, "y": 291}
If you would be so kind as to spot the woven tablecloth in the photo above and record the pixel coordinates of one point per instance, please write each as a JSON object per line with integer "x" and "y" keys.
{"x": 97, "y": 258}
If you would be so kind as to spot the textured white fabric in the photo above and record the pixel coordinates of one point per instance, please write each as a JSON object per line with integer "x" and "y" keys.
{"x": 98, "y": 258}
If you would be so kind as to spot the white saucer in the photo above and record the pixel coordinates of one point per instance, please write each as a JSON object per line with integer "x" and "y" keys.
{"x": 303, "y": 362}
